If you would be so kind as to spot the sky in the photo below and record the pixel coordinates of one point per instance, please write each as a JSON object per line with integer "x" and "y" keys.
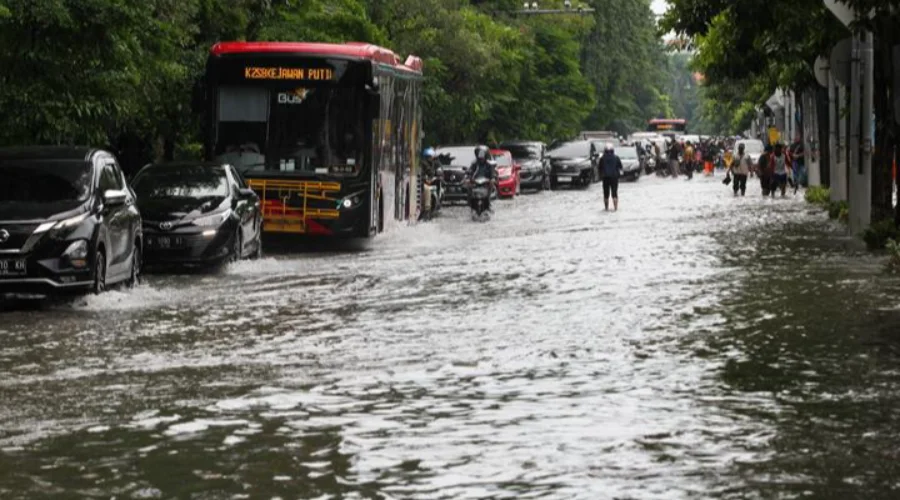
{"x": 659, "y": 6}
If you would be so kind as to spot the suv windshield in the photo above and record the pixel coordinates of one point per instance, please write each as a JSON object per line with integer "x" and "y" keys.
{"x": 461, "y": 156}
{"x": 44, "y": 182}
{"x": 523, "y": 151}
{"x": 181, "y": 182}
{"x": 578, "y": 149}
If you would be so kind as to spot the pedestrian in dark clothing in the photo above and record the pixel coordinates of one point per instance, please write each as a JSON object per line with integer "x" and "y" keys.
{"x": 798, "y": 158}
{"x": 611, "y": 168}
{"x": 766, "y": 172}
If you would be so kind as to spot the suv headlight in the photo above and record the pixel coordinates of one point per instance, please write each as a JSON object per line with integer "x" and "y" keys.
{"x": 77, "y": 253}
{"x": 212, "y": 220}
{"x": 63, "y": 224}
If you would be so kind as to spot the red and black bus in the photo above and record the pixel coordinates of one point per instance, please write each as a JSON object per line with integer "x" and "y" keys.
{"x": 667, "y": 126}
{"x": 328, "y": 135}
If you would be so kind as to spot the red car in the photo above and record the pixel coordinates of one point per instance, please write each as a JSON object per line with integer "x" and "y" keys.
{"x": 507, "y": 172}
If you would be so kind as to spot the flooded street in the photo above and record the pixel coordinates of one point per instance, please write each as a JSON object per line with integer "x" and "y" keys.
{"x": 690, "y": 346}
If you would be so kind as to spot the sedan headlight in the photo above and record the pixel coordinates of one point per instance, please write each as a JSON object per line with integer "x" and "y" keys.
{"x": 212, "y": 220}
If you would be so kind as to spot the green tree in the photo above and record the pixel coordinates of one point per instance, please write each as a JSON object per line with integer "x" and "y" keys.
{"x": 624, "y": 60}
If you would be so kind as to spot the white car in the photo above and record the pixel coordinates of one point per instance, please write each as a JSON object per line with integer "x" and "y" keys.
{"x": 753, "y": 147}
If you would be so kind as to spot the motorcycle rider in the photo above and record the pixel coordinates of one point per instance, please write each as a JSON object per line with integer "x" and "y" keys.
{"x": 483, "y": 167}
{"x": 431, "y": 187}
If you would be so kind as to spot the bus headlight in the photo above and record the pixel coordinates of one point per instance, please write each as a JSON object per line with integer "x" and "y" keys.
{"x": 347, "y": 203}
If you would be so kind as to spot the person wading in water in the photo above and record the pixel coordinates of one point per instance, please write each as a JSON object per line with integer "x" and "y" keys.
{"x": 611, "y": 168}
{"x": 740, "y": 168}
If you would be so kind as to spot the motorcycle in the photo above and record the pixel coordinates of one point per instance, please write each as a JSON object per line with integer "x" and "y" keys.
{"x": 432, "y": 194}
{"x": 480, "y": 196}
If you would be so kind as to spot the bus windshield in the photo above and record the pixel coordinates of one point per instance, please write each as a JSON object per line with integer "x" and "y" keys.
{"x": 274, "y": 127}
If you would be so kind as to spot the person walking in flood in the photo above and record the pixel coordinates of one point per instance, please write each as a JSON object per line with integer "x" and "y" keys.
{"x": 689, "y": 160}
{"x": 764, "y": 172}
{"x": 740, "y": 170}
{"x": 611, "y": 168}
{"x": 798, "y": 162}
{"x": 780, "y": 165}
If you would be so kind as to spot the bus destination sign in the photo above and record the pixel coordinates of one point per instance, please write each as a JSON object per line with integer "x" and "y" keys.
{"x": 280, "y": 73}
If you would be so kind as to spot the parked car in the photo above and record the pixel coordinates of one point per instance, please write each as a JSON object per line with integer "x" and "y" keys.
{"x": 631, "y": 163}
{"x": 531, "y": 156}
{"x": 572, "y": 163}
{"x": 68, "y": 222}
{"x": 507, "y": 173}
{"x": 197, "y": 214}
{"x": 455, "y": 162}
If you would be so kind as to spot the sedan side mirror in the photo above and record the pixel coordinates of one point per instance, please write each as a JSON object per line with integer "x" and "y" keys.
{"x": 247, "y": 193}
{"x": 114, "y": 197}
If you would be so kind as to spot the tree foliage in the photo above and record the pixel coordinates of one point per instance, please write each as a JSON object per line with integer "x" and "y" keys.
{"x": 122, "y": 74}
{"x": 625, "y": 61}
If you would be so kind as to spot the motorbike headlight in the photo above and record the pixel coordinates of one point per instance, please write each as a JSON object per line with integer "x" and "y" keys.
{"x": 505, "y": 177}
{"x": 212, "y": 220}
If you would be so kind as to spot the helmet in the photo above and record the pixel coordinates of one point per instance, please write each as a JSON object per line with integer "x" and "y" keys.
{"x": 610, "y": 146}
{"x": 481, "y": 152}
{"x": 428, "y": 153}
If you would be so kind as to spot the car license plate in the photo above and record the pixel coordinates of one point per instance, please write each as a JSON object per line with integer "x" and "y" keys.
{"x": 164, "y": 242}
{"x": 12, "y": 267}
{"x": 564, "y": 178}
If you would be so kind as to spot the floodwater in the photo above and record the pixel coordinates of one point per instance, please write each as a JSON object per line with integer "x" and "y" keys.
{"x": 692, "y": 345}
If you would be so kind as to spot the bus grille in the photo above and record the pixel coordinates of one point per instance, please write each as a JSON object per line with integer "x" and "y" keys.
{"x": 288, "y": 205}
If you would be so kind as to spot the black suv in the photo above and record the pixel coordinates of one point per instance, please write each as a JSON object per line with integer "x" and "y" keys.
{"x": 68, "y": 222}
{"x": 574, "y": 163}
{"x": 532, "y": 156}
{"x": 455, "y": 162}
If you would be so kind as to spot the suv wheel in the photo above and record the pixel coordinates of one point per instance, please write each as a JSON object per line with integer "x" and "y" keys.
{"x": 258, "y": 253}
{"x": 137, "y": 263}
{"x": 237, "y": 247}
{"x": 99, "y": 273}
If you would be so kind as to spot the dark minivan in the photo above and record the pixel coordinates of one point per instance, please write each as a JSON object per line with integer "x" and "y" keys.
{"x": 197, "y": 214}
{"x": 68, "y": 222}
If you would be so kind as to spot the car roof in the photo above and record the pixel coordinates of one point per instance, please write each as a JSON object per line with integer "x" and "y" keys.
{"x": 183, "y": 164}
{"x": 71, "y": 153}
{"x": 521, "y": 143}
